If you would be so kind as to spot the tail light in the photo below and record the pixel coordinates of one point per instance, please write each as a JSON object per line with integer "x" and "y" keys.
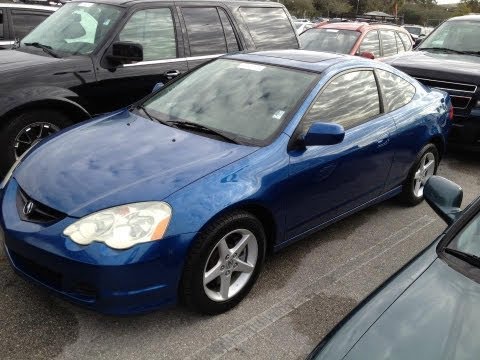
{"x": 451, "y": 113}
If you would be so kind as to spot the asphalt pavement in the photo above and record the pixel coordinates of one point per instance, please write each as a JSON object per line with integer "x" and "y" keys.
{"x": 303, "y": 291}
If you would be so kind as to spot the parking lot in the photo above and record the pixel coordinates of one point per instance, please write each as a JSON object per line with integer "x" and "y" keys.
{"x": 302, "y": 293}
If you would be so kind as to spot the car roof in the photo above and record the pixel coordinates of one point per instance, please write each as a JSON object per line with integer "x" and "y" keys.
{"x": 357, "y": 26}
{"x": 473, "y": 17}
{"x": 315, "y": 61}
{"x": 27, "y": 6}
{"x": 132, "y": 2}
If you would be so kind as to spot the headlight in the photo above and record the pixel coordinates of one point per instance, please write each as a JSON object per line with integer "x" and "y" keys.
{"x": 123, "y": 226}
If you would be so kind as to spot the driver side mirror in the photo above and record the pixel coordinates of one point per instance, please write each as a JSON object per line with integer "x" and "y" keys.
{"x": 368, "y": 55}
{"x": 444, "y": 197}
{"x": 124, "y": 52}
{"x": 324, "y": 134}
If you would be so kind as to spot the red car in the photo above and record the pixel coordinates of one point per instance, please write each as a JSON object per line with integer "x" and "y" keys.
{"x": 357, "y": 38}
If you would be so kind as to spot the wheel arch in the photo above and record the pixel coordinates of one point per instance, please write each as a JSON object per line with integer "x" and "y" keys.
{"x": 439, "y": 143}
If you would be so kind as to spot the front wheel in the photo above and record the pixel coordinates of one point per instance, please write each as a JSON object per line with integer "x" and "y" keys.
{"x": 223, "y": 264}
{"x": 424, "y": 167}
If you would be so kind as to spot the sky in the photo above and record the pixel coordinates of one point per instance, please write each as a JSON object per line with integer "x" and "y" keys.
{"x": 440, "y": 2}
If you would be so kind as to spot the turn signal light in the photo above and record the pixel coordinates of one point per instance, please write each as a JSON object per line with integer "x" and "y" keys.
{"x": 451, "y": 113}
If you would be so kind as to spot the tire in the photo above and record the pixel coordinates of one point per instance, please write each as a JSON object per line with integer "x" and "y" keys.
{"x": 412, "y": 192}
{"x": 206, "y": 257}
{"x": 42, "y": 122}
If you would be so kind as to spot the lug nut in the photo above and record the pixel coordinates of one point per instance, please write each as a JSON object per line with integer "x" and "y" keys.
{"x": 235, "y": 264}
{"x": 227, "y": 257}
{"x": 222, "y": 267}
{"x": 227, "y": 272}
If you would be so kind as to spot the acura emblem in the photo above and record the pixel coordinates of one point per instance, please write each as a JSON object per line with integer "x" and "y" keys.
{"x": 27, "y": 209}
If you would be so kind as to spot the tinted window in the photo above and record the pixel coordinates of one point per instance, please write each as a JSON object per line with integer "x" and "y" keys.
{"x": 397, "y": 91}
{"x": 245, "y": 100}
{"x": 331, "y": 40}
{"x": 389, "y": 43}
{"x": 232, "y": 44}
{"x": 400, "y": 46}
{"x": 205, "y": 31}
{"x": 1, "y": 24}
{"x": 468, "y": 239}
{"x": 24, "y": 22}
{"x": 348, "y": 100}
{"x": 371, "y": 43}
{"x": 406, "y": 41}
{"x": 270, "y": 28}
{"x": 154, "y": 30}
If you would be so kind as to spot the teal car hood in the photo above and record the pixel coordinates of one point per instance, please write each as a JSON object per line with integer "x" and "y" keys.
{"x": 437, "y": 317}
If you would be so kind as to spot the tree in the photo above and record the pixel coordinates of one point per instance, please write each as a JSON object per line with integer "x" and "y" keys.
{"x": 335, "y": 7}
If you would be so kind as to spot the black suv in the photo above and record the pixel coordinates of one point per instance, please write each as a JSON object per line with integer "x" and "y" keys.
{"x": 92, "y": 57}
{"x": 449, "y": 59}
{"x": 17, "y": 20}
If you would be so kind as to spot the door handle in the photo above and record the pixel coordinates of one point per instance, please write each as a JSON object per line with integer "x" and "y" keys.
{"x": 383, "y": 142}
{"x": 171, "y": 73}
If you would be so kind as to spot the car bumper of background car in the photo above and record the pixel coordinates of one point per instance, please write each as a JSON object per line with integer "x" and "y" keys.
{"x": 465, "y": 132}
{"x": 135, "y": 280}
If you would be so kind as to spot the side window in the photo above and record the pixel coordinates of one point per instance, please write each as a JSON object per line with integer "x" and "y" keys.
{"x": 24, "y": 22}
{"x": 1, "y": 25}
{"x": 400, "y": 46}
{"x": 154, "y": 30}
{"x": 389, "y": 43}
{"x": 205, "y": 31}
{"x": 349, "y": 100}
{"x": 270, "y": 28}
{"x": 406, "y": 41}
{"x": 397, "y": 91}
{"x": 232, "y": 44}
{"x": 371, "y": 43}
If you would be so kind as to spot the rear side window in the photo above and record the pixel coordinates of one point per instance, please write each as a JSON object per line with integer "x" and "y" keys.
{"x": 406, "y": 41}
{"x": 1, "y": 25}
{"x": 24, "y": 22}
{"x": 397, "y": 91}
{"x": 270, "y": 28}
{"x": 232, "y": 43}
{"x": 349, "y": 100}
{"x": 389, "y": 43}
{"x": 371, "y": 43}
{"x": 205, "y": 31}
{"x": 400, "y": 46}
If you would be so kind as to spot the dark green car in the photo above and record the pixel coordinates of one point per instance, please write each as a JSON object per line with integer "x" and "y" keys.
{"x": 430, "y": 309}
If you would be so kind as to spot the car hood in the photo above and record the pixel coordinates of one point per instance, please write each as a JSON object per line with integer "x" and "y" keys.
{"x": 449, "y": 67}
{"x": 119, "y": 159}
{"x": 15, "y": 60}
{"x": 435, "y": 318}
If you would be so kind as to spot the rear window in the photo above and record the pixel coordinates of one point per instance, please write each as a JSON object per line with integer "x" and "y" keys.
{"x": 269, "y": 27}
{"x": 330, "y": 40}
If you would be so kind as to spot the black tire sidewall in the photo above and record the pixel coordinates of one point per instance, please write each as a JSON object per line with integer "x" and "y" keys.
{"x": 16, "y": 123}
{"x": 408, "y": 188}
{"x": 193, "y": 293}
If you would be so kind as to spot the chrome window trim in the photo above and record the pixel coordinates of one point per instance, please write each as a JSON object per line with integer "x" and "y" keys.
{"x": 30, "y": 7}
{"x": 449, "y": 82}
{"x": 165, "y": 61}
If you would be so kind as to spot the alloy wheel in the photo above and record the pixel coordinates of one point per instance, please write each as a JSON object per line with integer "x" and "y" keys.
{"x": 425, "y": 170}
{"x": 32, "y": 134}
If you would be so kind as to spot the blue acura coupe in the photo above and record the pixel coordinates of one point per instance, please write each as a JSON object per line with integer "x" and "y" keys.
{"x": 181, "y": 195}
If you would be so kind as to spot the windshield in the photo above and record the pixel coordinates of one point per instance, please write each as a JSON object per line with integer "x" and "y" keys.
{"x": 468, "y": 240}
{"x": 74, "y": 29}
{"x": 455, "y": 35}
{"x": 413, "y": 30}
{"x": 330, "y": 40}
{"x": 248, "y": 101}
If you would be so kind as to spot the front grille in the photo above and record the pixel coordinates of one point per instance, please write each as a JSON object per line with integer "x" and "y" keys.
{"x": 448, "y": 86}
{"x": 33, "y": 211}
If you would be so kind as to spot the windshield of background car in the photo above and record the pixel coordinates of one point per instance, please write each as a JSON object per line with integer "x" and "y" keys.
{"x": 455, "y": 35}
{"x": 76, "y": 28}
{"x": 248, "y": 101}
{"x": 413, "y": 30}
{"x": 330, "y": 40}
{"x": 468, "y": 240}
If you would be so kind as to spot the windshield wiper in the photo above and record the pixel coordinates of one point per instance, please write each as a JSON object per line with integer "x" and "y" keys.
{"x": 469, "y": 258}
{"x": 445, "y": 50}
{"x": 151, "y": 117}
{"x": 203, "y": 128}
{"x": 45, "y": 48}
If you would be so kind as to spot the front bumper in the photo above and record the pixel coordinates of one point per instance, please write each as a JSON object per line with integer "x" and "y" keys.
{"x": 135, "y": 280}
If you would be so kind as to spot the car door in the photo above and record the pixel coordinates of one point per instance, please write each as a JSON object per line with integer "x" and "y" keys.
{"x": 328, "y": 181}
{"x": 209, "y": 33}
{"x": 5, "y": 40}
{"x": 158, "y": 30}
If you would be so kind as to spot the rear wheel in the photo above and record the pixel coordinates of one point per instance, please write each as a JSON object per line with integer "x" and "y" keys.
{"x": 224, "y": 263}
{"x": 424, "y": 167}
{"x": 25, "y": 130}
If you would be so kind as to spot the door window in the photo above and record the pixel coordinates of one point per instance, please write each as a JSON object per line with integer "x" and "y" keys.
{"x": 154, "y": 30}
{"x": 24, "y": 22}
{"x": 232, "y": 43}
{"x": 406, "y": 41}
{"x": 397, "y": 91}
{"x": 389, "y": 43}
{"x": 371, "y": 43}
{"x": 400, "y": 46}
{"x": 270, "y": 28}
{"x": 1, "y": 25}
{"x": 349, "y": 100}
{"x": 205, "y": 31}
